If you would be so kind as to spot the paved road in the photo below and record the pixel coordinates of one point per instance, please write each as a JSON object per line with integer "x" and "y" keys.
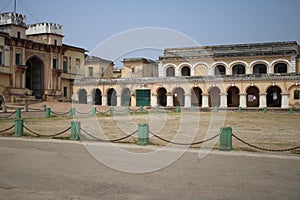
{"x": 31, "y": 169}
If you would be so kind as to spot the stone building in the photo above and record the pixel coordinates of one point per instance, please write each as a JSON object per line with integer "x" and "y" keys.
{"x": 96, "y": 67}
{"x": 246, "y": 75}
{"x": 139, "y": 67}
{"x": 34, "y": 63}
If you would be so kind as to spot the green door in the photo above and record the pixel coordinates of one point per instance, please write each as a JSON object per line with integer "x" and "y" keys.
{"x": 142, "y": 97}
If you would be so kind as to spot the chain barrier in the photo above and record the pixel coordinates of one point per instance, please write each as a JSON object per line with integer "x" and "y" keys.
{"x": 42, "y": 135}
{"x": 84, "y": 113}
{"x": 60, "y": 114}
{"x": 134, "y": 110}
{"x": 120, "y": 111}
{"x": 2, "y": 131}
{"x": 262, "y": 148}
{"x": 111, "y": 140}
{"x": 8, "y": 115}
{"x": 184, "y": 144}
{"x": 97, "y": 111}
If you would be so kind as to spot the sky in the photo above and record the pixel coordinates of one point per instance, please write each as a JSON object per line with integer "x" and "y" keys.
{"x": 88, "y": 23}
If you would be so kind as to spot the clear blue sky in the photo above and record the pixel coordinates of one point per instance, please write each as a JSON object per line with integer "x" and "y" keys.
{"x": 210, "y": 22}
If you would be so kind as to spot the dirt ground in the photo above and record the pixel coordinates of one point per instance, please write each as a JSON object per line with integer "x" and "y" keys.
{"x": 272, "y": 130}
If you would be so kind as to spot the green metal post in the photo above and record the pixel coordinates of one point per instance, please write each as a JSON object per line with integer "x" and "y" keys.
{"x": 94, "y": 111}
{"x": 72, "y": 113}
{"x": 26, "y": 107}
{"x": 192, "y": 108}
{"x": 19, "y": 130}
{"x": 44, "y": 108}
{"x": 265, "y": 110}
{"x": 143, "y": 134}
{"x": 240, "y": 109}
{"x": 156, "y": 108}
{"x": 127, "y": 109}
{"x": 75, "y": 130}
{"x": 225, "y": 139}
{"x": 291, "y": 110}
{"x": 48, "y": 112}
{"x": 18, "y": 113}
{"x": 177, "y": 109}
{"x": 141, "y": 108}
{"x": 4, "y": 109}
{"x": 111, "y": 110}
{"x": 216, "y": 108}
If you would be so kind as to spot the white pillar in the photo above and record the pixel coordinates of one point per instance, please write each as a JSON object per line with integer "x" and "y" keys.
{"x": 118, "y": 100}
{"x": 187, "y": 100}
{"x": 223, "y": 103}
{"x": 104, "y": 100}
{"x": 169, "y": 99}
{"x": 154, "y": 100}
{"x": 243, "y": 102}
{"x": 89, "y": 99}
{"x": 285, "y": 100}
{"x": 293, "y": 65}
{"x": 262, "y": 100}
{"x": 205, "y": 100}
{"x": 160, "y": 69}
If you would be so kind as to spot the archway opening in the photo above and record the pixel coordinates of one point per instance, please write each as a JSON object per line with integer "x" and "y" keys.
{"x": 259, "y": 69}
{"x": 186, "y": 71}
{"x": 162, "y": 97}
{"x": 82, "y": 96}
{"x": 280, "y": 68}
{"x": 214, "y": 97}
{"x": 126, "y": 97}
{"x": 238, "y": 69}
{"x": 170, "y": 71}
{"x": 35, "y": 76}
{"x": 196, "y": 96}
{"x": 220, "y": 70}
{"x": 97, "y": 97}
{"x": 233, "y": 99}
{"x": 111, "y": 97}
{"x": 274, "y": 96}
{"x": 178, "y": 97}
{"x": 252, "y": 97}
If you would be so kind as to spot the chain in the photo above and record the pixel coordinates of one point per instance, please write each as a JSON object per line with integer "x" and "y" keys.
{"x": 9, "y": 115}
{"x": 120, "y": 111}
{"x": 41, "y": 135}
{"x": 103, "y": 111}
{"x": 262, "y": 148}
{"x": 112, "y": 140}
{"x": 83, "y": 113}
{"x": 60, "y": 114}
{"x": 184, "y": 144}
{"x": 2, "y": 131}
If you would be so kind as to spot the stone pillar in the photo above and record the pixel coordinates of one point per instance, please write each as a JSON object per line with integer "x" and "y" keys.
{"x": 223, "y": 102}
{"x": 205, "y": 100}
{"x": 262, "y": 100}
{"x": 160, "y": 69}
{"x": 89, "y": 99}
{"x": 23, "y": 80}
{"x": 154, "y": 100}
{"x": 293, "y": 65}
{"x": 118, "y": 100}
{"x": 243, "y": 101}
{"x": 285, "y": 100}
{"x": 187, "y": 100}
{"x": 169, "y": 99}
{"x": 104, "y": 100}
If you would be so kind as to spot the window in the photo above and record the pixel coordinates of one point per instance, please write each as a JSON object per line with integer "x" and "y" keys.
{"x": 54, "y": 63}
{"x": 77, "y": 63}
{"x": 18, "y": 34}
{"x": 133, "y": 70}
{"x": 65, "y": 92}
{"x": 18, "y": 59}
{"x": 297, "y": 94}
{"x": 170, "y": 71}
{"x": 65, "y": 65}
{"x": 91, "y": 71}
{"x": 55, "y": 42}
{"x": 1, "y": 58}
{"x": 102, "y": 72}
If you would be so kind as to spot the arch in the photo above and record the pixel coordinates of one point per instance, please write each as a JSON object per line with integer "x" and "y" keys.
{"x": 178, "y": 97}
{"x": 238, "y": 69}
{"x": 274, "y": 62}
{"x": 164, "y": 68}
{"x": 220, "y": 70}
{"x": 35, "y": 76}
{"x": 162, "y": 96}
{"x": 111, "y": 97}
{"x": 170, "y": 71}
{"x": 196, "y": 98}
{"x": 126, "y": 97}
{"x": 233, "y": 99}
{"x": 260, "y": 68}
{"x": 201, "y": 69}
{"x": 214, "y": 97}
{"x": 97, "y": 96}
{"x": 252, "y": 96}
{"x": 82, "y": 96}
{"x": 185, "y": 71}
{"x": 280, "y": 68}
{"x": 274, "y": 96}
